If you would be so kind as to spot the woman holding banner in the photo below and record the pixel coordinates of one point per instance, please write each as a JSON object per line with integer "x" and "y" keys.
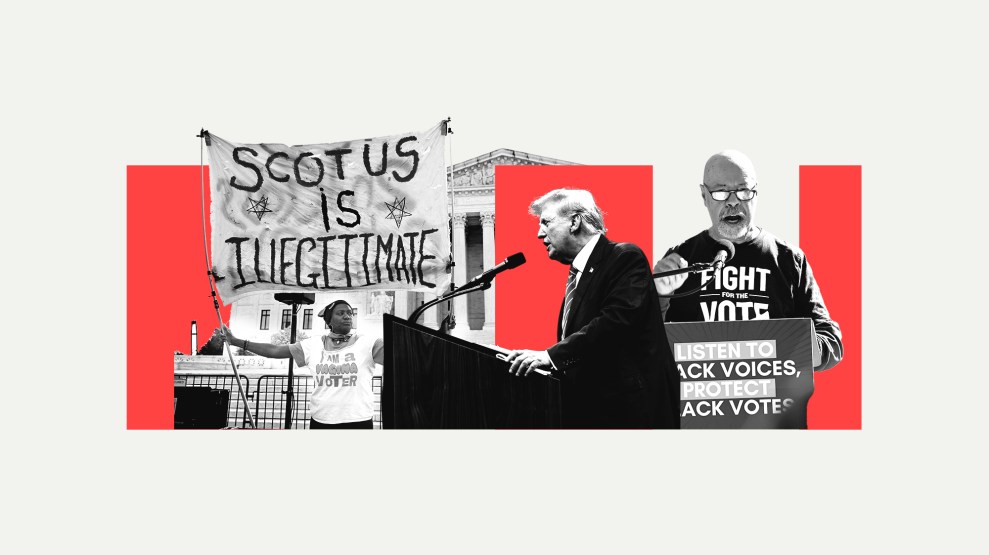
{"x": 342, "y": 365}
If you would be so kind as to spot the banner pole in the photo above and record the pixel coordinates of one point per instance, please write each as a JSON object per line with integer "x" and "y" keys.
{"x": 204, "y": 137}
{"x": 290, "y": 392}
{"x": 449, "y": 322}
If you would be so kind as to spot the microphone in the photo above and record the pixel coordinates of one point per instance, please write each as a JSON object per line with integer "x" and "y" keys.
{"x": 513, "y": 261}
{"x": 723, "y": 255}
{"x": 483, "y": 281}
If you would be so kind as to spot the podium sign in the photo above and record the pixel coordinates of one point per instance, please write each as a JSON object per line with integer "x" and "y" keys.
{"x": 745, "y": 374}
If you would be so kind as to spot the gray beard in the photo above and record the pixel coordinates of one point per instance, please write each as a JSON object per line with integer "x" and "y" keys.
{"x": 732, "y": 232}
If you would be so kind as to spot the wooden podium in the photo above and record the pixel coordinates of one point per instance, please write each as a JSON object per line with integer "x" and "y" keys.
{"x": 433, "y": 380}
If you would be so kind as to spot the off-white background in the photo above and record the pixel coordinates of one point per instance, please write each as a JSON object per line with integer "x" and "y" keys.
{"x": 899, "y": 89}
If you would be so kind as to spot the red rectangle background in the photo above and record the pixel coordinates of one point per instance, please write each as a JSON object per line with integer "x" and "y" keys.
{"x": 831, "y": 237}
{"x": 167, "y": 284}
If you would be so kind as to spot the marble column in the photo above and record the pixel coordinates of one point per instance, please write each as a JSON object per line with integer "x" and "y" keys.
{"x": 460, "y": 268}
{"x": 402, "y": 303}
{"x": 488, "y": 248}
{"x": 429, "y": 317}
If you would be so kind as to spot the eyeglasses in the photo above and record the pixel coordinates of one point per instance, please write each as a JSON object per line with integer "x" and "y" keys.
{"x": 740, "y": 194}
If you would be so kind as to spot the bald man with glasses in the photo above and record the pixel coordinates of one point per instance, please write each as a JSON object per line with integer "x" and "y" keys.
{"x": 766, "y": 278}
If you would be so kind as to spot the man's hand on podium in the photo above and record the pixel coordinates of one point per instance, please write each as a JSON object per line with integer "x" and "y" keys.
{"x": 523, "y": 362}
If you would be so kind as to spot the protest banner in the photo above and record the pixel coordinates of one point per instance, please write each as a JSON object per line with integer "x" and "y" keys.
{"x": 369, "y": 213}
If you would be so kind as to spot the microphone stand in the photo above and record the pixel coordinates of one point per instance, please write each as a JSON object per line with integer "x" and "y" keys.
{"x": 693, "y": 269}
{"x": 455, "y": 293}
{"x": 293, "y": 300}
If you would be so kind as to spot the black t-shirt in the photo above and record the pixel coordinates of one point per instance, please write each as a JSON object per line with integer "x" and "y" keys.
{"x": 767, "y": 278}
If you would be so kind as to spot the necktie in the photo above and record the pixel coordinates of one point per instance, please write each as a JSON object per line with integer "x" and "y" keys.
{"x": 568, "y": 299}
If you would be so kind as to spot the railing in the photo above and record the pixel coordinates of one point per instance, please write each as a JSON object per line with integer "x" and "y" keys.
{"x": 269, "y": 394}
{"x": 272, "y": 395}
{"x": 236, "y": 415}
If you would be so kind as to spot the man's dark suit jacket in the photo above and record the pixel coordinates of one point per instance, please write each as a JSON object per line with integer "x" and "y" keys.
{"x": 618, "y": 370}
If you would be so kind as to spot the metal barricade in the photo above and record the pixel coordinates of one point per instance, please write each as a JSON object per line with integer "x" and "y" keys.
{"x": 236, "y": 413}
{"x": 270, "y": 402}
{"x": 270, "y": 397}
{"x": 376, "y": 390}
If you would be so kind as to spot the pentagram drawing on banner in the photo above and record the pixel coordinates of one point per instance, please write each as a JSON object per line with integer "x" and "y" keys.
{"x": 396, "y": 211}
{"x": 258, "y": 207}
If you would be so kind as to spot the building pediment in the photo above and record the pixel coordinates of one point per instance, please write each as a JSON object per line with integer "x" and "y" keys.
{"x": 476, "y": 175}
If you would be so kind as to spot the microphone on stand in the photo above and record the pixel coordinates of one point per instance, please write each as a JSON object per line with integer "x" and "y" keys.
{"x": 513, "y": 261}
{"x": 723, "y": 255}
{"x": 484, "y": 280}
